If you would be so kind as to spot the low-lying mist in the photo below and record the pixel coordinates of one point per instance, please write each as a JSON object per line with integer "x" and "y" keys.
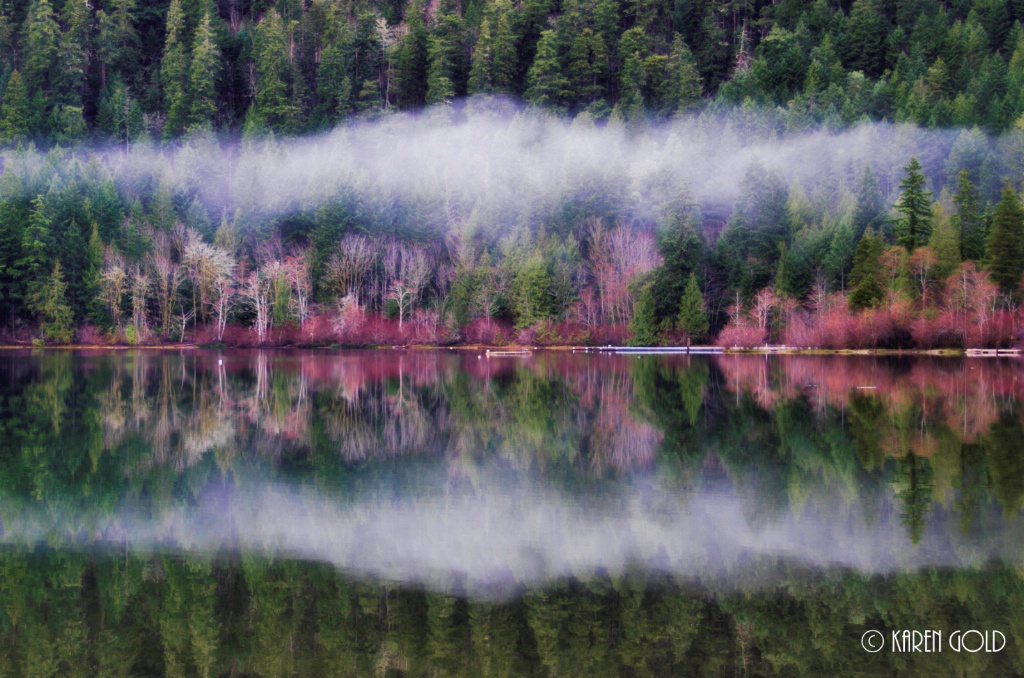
{"x": 497, "y": 536}
{"x": 495, "y": 155}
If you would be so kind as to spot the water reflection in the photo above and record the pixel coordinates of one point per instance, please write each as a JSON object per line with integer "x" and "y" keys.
{"x": 442, "y": 466}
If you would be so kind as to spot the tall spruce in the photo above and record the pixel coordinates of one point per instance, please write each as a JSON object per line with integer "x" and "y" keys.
{"x": 174, "y": 72}
{"x": 1005, "y": 247}
{"x": 693, "y": 319}
{"x": 915, "y": 204}
{"x": 203, "y": 70}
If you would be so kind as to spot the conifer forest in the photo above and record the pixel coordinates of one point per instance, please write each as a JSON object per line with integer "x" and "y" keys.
{"x": 814, "y": 174}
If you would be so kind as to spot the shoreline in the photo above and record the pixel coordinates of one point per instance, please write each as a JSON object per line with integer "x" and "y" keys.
{"x": 621, "y": 350}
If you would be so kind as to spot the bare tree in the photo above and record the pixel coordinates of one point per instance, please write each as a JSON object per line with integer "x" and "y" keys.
{"x": 113, "y": 284}
{"x": 350, "y": 264}
{"x": 296, "y": 271}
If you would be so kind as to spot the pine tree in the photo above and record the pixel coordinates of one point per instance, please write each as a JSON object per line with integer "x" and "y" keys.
{"x": 273, "y": 102}
{"x": 682, "y": 80}
{"x": 546, "y": 84}
{"x": 42, "y": 35}
{"x": 505, "y": 58}
{"x": 642, "y": 324}
{"x": 587, "y": 66}
{"x": 870, "y": 204}
{"x": 1005, "y": 247}
{"x": 480, "y": 79}
{"x": 14, "y": 111}
{"x": 413, "y": 61}
{"x": 968, "y": 218}
{"x": 36, "y": 250}
{"x": 867, "y": 272}
{"x": 73, "y": 53}
{"x": 693, "y": 319}
{"x": 203, "y": 75}
{"x": 58, "y": 320}
{"x": 173, "y": 72}
{"x": 91, "y": 278}
{"x": 915, "y": 204}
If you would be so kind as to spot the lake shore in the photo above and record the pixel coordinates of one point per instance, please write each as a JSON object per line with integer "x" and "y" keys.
{"x": 507, "y": 349}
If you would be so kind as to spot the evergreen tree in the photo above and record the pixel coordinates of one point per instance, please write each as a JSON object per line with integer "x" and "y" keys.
{"x": 693, "y": 319}
{"x": 413, "y": 61}
{"x": 203, "y": 75}
{"x": 273, "y": 102}
{"x": 58, "y": 320}
{"x": 870, "y": 206}
{"x": 546, "y": 83}
{"x": 73, "y": 53}
{"x": 505, "y": 59}
{"x": 915, "y": 204}
{"x": 42, "y": 36}
{"x": 1005, "y": 247}
{"x": 91, "y": 278}
{"x": 968, "y": 219}
{"x": 642, "y": 324}
{"x": 174, "y": 71}
{"x": 14, "y": 111}
{"x": 863, "y": 41}
{"x": 867, "y": 272}
{"x": 481, "y": 80}
{"x": 682, "y": 80}
{"x": 36, "y": 250}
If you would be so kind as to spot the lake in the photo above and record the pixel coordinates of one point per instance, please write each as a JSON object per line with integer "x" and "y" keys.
{"x": 440, "y": 512}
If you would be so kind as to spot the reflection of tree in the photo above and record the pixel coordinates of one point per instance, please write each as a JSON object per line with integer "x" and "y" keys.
{"x": 914, "y": 490}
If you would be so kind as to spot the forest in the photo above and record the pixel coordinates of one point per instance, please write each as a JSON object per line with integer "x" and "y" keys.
{"x": 815, "y": 174}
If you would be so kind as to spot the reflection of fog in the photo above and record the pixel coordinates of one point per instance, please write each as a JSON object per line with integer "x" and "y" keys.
{"x": 505, "y": 533}
{"x": 395, "y": 462}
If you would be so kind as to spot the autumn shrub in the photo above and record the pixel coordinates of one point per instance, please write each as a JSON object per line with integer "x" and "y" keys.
{"x": 741, "y": 335}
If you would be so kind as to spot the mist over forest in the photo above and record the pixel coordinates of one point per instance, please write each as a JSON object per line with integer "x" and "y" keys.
{"x": 557, "y": 173}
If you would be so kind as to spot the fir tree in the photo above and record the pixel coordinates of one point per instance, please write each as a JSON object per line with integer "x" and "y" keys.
{"x": 413, "y": 62}
{"x": 1005, "y": 247}
{"x": 693, "y": 319}
{"x": 867, "y": 272}
{"x": 642, "y": 324}
{"x": 481, "y": 80}
{"x": 682, "y": 80}
{"x": 73, "y": 53}
{"x": 56, "y": 314}
{"x": 968, "y": 218}
{"x": 14, "y": 111}
{"x": 173, "y": 72}
{"x": 203, "y": 74}
{"x": 42, "y": 35}
{"x": 547, "y": 85}
{"x": 273, "y": 103}
{"x": 915, "y": 204}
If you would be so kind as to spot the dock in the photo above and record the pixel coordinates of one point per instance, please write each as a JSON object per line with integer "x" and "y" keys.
{"x": 649, "y": 350}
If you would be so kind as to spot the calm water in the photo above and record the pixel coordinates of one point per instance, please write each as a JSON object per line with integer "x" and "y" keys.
{"x": 431, "y": 513}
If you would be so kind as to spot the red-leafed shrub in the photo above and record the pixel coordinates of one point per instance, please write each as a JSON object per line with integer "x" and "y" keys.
{"x": 741, "y": 336}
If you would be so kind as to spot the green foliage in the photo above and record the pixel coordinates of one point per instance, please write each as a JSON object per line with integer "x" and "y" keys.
{"x": 866, "y": 276}
{"x": 643, "y": 327}
{"x": 14, "y": 112}
{"x": 57, "y": 318}
{"x": 693, "y": 319}
{"x": 915, "y": 204}
{"x": 1005, "y": 247}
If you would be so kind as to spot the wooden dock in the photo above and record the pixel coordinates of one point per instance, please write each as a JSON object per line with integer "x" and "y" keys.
{"x": 508, "y": 354}
{"x": 992, "y": 352}
{"x": 649, "y": 350}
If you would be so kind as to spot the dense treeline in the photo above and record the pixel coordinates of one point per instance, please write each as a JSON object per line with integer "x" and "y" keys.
{"x": 125, "y": 69}
{"x": 82, "y": 614}
{"x": 527, "y": 229}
